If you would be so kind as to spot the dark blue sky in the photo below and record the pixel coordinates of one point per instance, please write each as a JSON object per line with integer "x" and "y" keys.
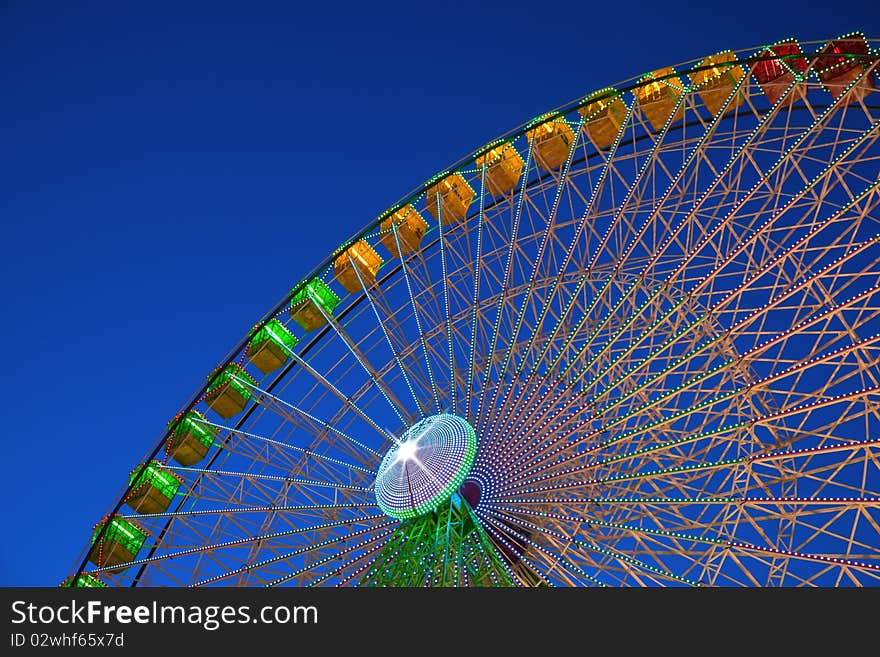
{"x": 169, "y": 170}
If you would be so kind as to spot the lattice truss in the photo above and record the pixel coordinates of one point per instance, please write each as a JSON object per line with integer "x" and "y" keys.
{"x": 666, "y": 338}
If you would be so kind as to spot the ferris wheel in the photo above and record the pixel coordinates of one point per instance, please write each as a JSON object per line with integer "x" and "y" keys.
{"x": 635, "y": 341}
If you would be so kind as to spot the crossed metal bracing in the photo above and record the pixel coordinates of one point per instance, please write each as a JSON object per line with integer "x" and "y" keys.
{"x": 668, "y": 348}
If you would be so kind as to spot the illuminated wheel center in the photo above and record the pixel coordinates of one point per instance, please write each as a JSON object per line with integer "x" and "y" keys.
{"x": 425, "y": 466}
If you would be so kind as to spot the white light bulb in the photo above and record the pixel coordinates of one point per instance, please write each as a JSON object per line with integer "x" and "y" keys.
{"x": 407, "y": 450}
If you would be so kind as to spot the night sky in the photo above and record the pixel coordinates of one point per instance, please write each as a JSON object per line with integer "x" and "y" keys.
{"x": 168, "y": 171}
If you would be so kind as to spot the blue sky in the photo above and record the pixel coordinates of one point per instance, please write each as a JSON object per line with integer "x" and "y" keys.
{"x": 169, "y": 170}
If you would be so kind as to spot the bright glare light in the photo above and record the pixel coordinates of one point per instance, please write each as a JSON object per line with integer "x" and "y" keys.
{"x": 407, "y": 450}
{"x": 425, "y": 466}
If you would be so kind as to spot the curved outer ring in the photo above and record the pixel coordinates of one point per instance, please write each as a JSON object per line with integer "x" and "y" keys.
{"x": 618, "y": 89}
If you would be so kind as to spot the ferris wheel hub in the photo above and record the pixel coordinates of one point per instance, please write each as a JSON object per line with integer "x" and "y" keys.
{"x": 425, "y": 466}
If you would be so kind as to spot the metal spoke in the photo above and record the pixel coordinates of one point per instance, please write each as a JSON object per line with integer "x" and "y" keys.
{"x": 642, "y": 345}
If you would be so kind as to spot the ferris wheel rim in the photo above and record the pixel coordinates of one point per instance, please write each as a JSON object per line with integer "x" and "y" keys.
{"x": 280, "y": 306}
